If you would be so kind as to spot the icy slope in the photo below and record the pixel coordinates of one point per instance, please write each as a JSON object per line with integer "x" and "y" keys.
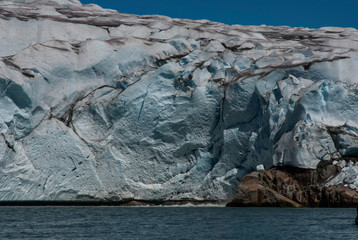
{"x": 98, "y": 104}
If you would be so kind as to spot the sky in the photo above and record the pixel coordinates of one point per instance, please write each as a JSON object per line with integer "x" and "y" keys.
{"x": 299, "y": 13}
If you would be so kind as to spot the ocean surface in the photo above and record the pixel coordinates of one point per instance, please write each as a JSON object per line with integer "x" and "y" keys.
{"x": 176, "y": 223}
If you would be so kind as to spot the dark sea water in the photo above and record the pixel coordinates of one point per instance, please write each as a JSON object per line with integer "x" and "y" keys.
{"x": 176, "y": 223}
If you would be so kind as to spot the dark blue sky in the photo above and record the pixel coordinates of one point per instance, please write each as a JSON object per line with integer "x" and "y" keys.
{"x": 296, "y": 13}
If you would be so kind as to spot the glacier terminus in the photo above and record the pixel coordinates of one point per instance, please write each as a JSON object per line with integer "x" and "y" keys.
{"x": 99, "y": 105}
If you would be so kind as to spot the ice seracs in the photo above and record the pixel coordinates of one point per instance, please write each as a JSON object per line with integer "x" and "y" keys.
{"x": 96, "y": 104}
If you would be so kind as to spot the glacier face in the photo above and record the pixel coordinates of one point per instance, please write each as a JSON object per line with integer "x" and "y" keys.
{"x": 101, "y": 105}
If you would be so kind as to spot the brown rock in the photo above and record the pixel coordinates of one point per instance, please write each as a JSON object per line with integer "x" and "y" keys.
{"x": 339, "y": 196}
{"x": 293, "y": 187}
{"x": 252, "y": 193}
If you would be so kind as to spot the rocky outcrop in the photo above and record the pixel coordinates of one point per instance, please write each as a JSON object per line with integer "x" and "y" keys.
{"x": 252, "y": 192}
{"x": 99, "y": 105}
{"x": 293, "y": 187}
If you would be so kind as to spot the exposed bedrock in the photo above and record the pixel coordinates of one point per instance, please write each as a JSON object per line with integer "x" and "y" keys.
{"x": 96, "y": 104}
{"x": 294, "y": 187}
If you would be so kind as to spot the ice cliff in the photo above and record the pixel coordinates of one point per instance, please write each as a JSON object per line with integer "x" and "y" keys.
{"x": 96, "y": 104}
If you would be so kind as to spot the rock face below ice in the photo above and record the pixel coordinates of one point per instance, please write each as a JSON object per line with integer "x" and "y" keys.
{"x": 101, "y": 105}
{"x": 292, "y": 187}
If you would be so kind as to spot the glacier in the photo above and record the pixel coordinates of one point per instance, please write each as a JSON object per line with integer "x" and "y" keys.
{"x": 100, "y": 105}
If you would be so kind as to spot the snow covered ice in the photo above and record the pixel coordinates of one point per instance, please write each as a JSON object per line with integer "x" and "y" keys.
{"x": 96, "y": 104}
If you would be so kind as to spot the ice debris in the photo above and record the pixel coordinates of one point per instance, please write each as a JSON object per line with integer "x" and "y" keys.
{"x": 348, "y": 175}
